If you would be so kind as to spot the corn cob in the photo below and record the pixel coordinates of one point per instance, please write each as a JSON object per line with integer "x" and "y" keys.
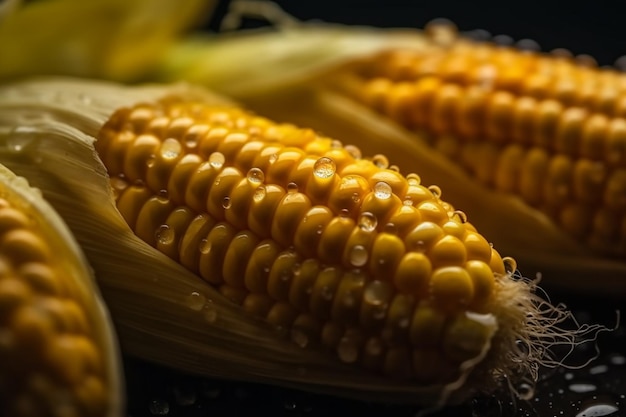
{"x": 540, "y": 138}
{"x": 57, "y": 351}
{"x": 229, "y": 245}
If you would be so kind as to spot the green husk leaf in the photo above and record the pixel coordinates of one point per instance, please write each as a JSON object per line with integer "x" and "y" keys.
{"x": 113, "y": 39}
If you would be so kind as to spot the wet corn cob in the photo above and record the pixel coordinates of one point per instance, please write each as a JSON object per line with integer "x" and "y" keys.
{"x": 229, "y": 245}
{"x": 541, "y": 138}
{"x": 547, "y": 129}
{"x": 57, "y": 352}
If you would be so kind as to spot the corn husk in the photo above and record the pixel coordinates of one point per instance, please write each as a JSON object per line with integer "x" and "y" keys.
{"x": 47, "y": 131}
{"x": 293, "y": 76}
{"x": 112, "y": 39}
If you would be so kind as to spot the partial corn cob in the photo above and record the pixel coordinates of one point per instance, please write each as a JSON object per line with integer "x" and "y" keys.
{"x": 540, "y": 138}
{"x": 58, "y": 354}
{"x": 228, "y": 245}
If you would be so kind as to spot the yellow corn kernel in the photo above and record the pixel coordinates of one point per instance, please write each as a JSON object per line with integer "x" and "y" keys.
{"x": 514, "y": 120}
{"x": 56, "y": 349}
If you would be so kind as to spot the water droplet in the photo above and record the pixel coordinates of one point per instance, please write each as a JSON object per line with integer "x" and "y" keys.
{"x": 582, "y": 387}
{"x": 196, "y": 301}
{"x": 292, "y": 187}
{"x": 618, "y": 360}
{"x": 390, "y": 228}
{"x": 344, "y": 213}
{"x": 358, "y": 255}
{"x": 217, "y": 160}
{"x": 374, "y": 293}
{"x": 163, "y": 195}
{"x": 324, "y": 168}
{"x": 404, "y": 322}
{"x": 170, "y": 148}
{"x": 191, "y": 141}
{"x": 290, "y": 405}
{"x": 462, "y": 216}
{"x": 510, "y": 265}
{"x": 151, "y": 161}
{"x": 336, "y": 144}
{"x": 354, "y": 151}
{"x": 374, "y": 347}
{"x": 255, "y": 176}
{"x": 382, "y": 190}
{"x": 205, "y": 246}
{"x": 299, "y": 337}
{"x": 259, "y": 193}
{"x": 380, "y": 161}
{"x": 598, "y": 369}
{"x": 119, "y": 183}
{"x": 503, "y": 40}
{"x": 408, "y": 201}
{"x": 347, "y": 350}
{"x": 319, "y": 229}
{"x": 164, "y": 235}
{"x": 395, "y": 168}
{"x": 226, "y": 203}
{"x": 185, "y": 396}
{"x": 21, "y": 137}
{"x": 413, "y": 179}
{"x": 210, "y": 314}
{"x": 435, "y": 190}
{"x": 528, "y": 45}
{"x": 273, "y": 157}
{"x": 327, "y": 293}
{"x": 368, "y": 222}
{"x": 159, "y": 407}
{"x": 525, "y": 391}
{"x": 569, "y": 376}
{"x": 356, "y": 198}
{"x": 349, "y": 300}
{"x": 598, "y": 410}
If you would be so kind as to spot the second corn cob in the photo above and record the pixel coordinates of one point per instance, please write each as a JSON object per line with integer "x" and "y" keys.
{"x": 228, "y": 245}
{"x": 539, "y": 137}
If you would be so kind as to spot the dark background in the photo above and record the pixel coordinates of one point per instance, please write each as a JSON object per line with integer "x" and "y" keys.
{"x": 583, "y": 27}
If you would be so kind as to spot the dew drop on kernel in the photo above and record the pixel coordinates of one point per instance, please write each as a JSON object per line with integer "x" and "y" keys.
{"x": 395, "y": 168}
{"x": 435, "y": 190}
{"x": 374, "y": 293}
{"x": 273, "y": 158}
{"x": 170, "y": 149}
{"x": 510, "y": 265}
{"x": 336, "y": 144}
{"x": 164, "y": 234}
{"x": 151, "y": 161}
{"x": 382, "y": 190}
{"x": 299, "y": 337}
{"x": 217, "y": 160}
{"x": 324, "y": 168}
{"x": 461, "y": 215}
{"x": 226, "y": 203}
{"x": 380, "y": 161}
{"x": 408, "y": 201}
{"x": 259, "y": 193}
{"x": 196, "y": 301}
{"x": 344, "y": 213}
{"x": 356, "y": 198}
{"x": 255, "y": 176}
{"x": 368, "y": 222}
{"x": 353, "y": 151}
{"x": 347, "y": 350}
{"x": 327, "y": 293}
{"x": 205, "y": 246}
{"x": 292, "y": 187}
{"x": 390, "y": 228}
{"x": 358, "y": 255}
{"x": 413, "y": 179}
{"x": 21, "y": 137}
{"x": 374, "y": 347}
{"x": 163, "y": 195}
